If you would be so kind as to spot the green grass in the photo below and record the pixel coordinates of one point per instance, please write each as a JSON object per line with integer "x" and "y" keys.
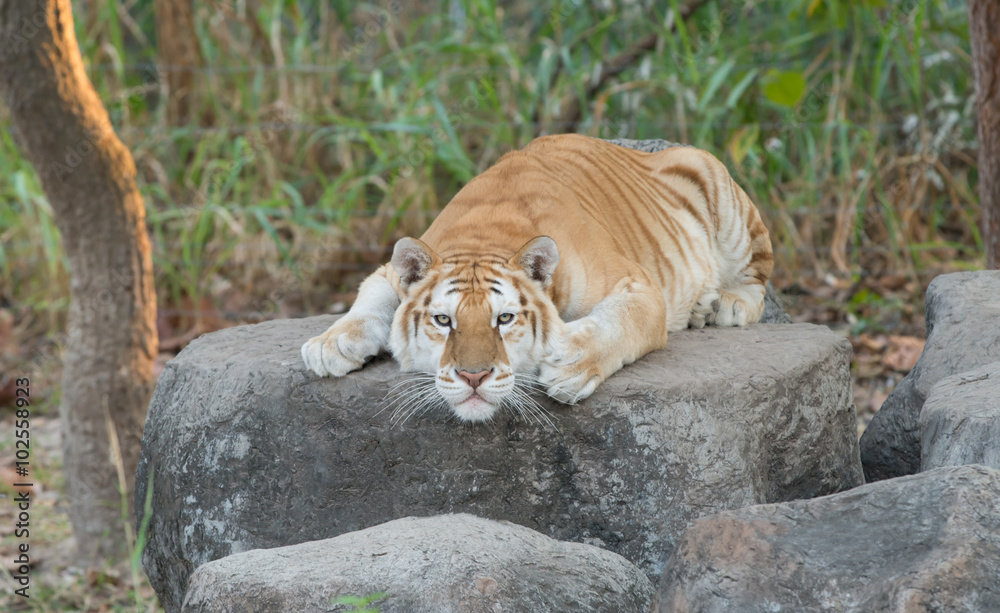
{"x": 360, "y": 604}
{"x": 320, "y": 140}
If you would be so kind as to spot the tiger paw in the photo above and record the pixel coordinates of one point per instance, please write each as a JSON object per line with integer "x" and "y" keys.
{"x": 571, "y": 371}
{"x": 567, "y": 384}
{"x": 739, "y": 306}
{"x": 345, "y": 346}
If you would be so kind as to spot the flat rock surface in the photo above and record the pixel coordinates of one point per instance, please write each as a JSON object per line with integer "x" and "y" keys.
{"x": 930, "y": 542}
{"x": 963, "y": 333}
{"x": 245, "y": 449}
{"x": 960, "y": 420}
{"x": 445, "y": 564}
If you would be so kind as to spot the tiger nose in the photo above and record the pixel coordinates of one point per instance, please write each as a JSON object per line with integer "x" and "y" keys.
{"x": 474, "y": 379}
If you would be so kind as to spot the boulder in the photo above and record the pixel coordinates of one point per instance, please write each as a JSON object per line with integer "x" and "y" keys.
{"x": 963, "y": 332}
{"x": 444, "y": 564}
{"x": 960, "y": 420}
{"x": 930, "y": 542}
{"x": 774, "y": 308}
{"x": 245, "y": 449}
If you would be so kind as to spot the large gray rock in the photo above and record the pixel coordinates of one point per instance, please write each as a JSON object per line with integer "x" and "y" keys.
{"x": 444, "y": 564}
{"x": 960, "y": 420}
{"x": 774, "y": 309}
{"x": 963, "y": 333}
{"x": 929, "y": 542}
{"x": 245, "y": 449}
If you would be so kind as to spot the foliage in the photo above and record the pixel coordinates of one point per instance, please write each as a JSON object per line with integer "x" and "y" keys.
{"x": 328, "y": 129}
{"x": 360, "y": 604}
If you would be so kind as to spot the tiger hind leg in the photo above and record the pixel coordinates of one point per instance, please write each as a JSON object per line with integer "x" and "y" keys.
{"x": 738, "y": 305}
{"x": 745, "y": 268}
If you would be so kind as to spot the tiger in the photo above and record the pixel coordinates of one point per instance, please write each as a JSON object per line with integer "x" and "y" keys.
{"x": 556, "y": 267}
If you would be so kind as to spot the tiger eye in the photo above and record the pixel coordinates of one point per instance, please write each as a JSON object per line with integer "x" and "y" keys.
{"x": 442, "y": 320}
{"x": 505, "y": 318}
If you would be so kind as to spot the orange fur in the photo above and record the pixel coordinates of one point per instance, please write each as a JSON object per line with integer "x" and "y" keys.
{"x": 647, "y": 243}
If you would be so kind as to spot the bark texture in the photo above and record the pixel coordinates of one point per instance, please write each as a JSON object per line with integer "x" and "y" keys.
{"x": 177, "y": 46}
{"x": 984, "y": 31}
{"x": 90, "y": 180}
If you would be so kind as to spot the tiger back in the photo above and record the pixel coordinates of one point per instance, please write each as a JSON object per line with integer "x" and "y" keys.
{"x": 556, "y": 267}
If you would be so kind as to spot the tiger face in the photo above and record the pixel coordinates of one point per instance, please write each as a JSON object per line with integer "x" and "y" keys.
{"x": 478, "y": 324}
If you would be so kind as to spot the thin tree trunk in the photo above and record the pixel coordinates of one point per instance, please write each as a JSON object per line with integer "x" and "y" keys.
{"x": 984, "y": 31}
{"x": 90, "y": 180}
{"x": 177, "y": 46}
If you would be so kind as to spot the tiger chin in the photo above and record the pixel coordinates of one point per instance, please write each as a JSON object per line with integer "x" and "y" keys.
{"x": 555, "y": 268}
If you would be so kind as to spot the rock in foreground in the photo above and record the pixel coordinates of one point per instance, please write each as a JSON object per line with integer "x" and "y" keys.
{"x": 963, "y": 332}
{"x": 960, "y": 421}
{"x": 444, "y": 564}
{"x": 244, "y": 449}
{"x": 929, "y": 542}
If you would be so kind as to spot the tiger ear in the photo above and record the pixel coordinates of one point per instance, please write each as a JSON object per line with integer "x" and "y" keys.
{"x": 538, "y": 257}
{"x": 412, "y": 258}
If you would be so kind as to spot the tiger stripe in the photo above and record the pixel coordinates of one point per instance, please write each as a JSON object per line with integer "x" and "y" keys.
{"x": 588, "y": 253}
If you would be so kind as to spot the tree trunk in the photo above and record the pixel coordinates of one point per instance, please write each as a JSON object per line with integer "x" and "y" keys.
{"x": 90, "y": 180}
{"x": 984, "y": 31}
{"x": 177, "y": 46}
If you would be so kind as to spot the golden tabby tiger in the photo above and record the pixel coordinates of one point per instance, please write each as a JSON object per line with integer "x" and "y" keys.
{"x": 559, "y": 265}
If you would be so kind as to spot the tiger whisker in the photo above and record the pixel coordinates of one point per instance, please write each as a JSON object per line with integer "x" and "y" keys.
{"x": 397, "y": 396}
{"x": 420, "y": 408}
{"x": 410, "y": 381}
{"x": 529, "y": 407}
{"x": 408, "y": 398}
{"x": 514, "y": 402}
{"x": 406, "y": 409}
{"x": 532, "y": 382}
{"x": 401, "y": 388}
{"x": 417, "y": 405}
{"x": 540, "y": 410}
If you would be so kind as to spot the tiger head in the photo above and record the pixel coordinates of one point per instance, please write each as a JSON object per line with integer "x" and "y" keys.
{"x": 478, "y": 324}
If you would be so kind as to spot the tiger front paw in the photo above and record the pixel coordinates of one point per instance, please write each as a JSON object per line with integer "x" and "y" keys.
{"x": 571, "y": 371}
{"x": 345, "y": 346}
